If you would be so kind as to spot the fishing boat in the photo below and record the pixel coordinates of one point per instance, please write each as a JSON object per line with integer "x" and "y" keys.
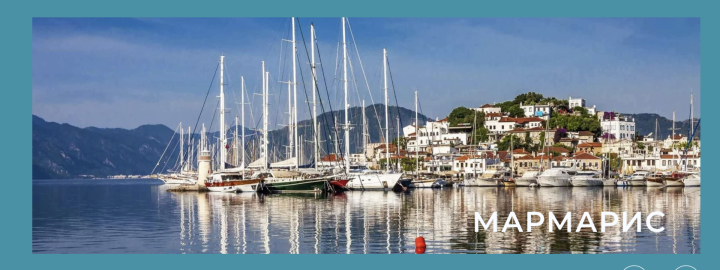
{"x": 638, "y": 178}
{"x": 556, "y": 177}
{"x": 692, "y": 179}
{"x": 586, "y": 179}
{"x": 422, "y": 183}
{"x": 655, "y": 180}
{"x": 489, "y": 178}
{"x": 528, "y": 178}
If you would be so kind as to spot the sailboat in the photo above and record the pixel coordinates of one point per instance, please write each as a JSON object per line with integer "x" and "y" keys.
{"x": 185, "y": 175}
{"x": 285, "y": 175}
{"x": 366, "y": 179}
{"x": 228, "y": 179}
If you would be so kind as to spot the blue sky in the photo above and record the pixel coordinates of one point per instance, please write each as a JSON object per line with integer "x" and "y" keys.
{"x": 125, "y": 72}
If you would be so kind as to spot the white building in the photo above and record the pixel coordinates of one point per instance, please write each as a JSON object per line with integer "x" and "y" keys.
{"x": 435, "y": 137}
{"x": 620, "y": 127}
{"x": 540, "y": 110}
{"x": 576, "y": 102}
{"x": 487, "y": 108}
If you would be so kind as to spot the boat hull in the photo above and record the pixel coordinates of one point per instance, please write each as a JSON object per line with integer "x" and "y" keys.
{"x": 233, "y": 186}
{"x": 654, "y": 184}
{"x": 587, "y": 183}
{"x": 636, "y": 182}
{"x": 609, "y": 182}
{"x": 481, "y": 182}
{"x": 305, "y": 185}
{"x": 673, "y": 183}
{"x": 525, "y": 182}
{"x": 691, "y": 181}
{"x": 553, "y": 182}
{"x": 380, "y": 181}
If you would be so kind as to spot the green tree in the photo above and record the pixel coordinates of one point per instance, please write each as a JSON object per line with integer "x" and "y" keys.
{"x": 504, "y": 144}
{"x": 403, "y": 142}
{"x": 515, "y": 111}
{"x": 641, "y": 146}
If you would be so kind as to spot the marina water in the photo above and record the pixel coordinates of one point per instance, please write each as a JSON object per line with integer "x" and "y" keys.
{"x": 140, "y": 216}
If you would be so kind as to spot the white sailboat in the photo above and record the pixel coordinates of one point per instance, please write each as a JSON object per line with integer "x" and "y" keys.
{"x": 228, "y": 179}
{"x": 366, "y": 179}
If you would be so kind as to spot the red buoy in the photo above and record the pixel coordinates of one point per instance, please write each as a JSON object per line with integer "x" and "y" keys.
{"x": 420, "y": 242}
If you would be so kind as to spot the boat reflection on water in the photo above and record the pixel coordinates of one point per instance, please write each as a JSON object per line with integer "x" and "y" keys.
{"x": 387, "y": 222}
{"x": 355, "y": 222}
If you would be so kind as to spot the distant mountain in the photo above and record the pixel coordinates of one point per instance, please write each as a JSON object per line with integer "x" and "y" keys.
{"x": 645, "y": 124}
{"x": 66, "y": 151}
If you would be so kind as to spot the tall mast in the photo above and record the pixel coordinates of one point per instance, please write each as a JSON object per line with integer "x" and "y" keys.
{"x": 182, "y": 143}
{"x": 235, "y": 142}
{"x": 242, "y": 115}
{"x": 263, "y": 148}
{"x": 364, "y": 129}
{"x": 398, "y": 143}
{"x": 387, "y": 146}
{"x": 417, "y": 122}
{"x": 673, "y": 128}
{"x": 295, "y": 127}
{"x": 345, "y": 87}
{"x": 692, "y": 113}
{"x": 289, "y": 150}
{"x": 189, "y": 156}
{"x": 314, "y": 98}
{"x": 223, "y": 139}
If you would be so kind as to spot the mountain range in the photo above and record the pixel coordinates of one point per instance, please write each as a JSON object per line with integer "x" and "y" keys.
{"x": 64, "y": 151}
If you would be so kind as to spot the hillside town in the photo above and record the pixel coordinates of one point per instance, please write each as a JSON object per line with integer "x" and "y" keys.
{"x": 446, "y": 147}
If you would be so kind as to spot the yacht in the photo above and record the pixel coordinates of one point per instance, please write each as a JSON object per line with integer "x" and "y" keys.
{"x": 556, "y": 177}
{"x": 231, "y": 181}
{"x": 692, "y": 179}
{"x": 638, "y": 178}
{"x": 528, "y": 178}
{"x": 490, "y": 178}
{"x": 362, "y": 178}
{"x": 655, "y": 180}
{"x": 586, "y": 178}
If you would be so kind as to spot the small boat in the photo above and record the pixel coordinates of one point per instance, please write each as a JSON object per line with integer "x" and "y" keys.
{"x": 490, "y": 178}
{"x": 341, "y": 183}
{"x": 439, "y": 183}
{"x": 231, "y": 181}
{"x": 638, "y": 178}
{"x": 586, "y": 179}
{"x": 528, "y": 178}
{"x": 422, "y": 183}
{"x": 655, "y": 180}
{"x": 556, "y": 177}
{"x": 692, "y": 179}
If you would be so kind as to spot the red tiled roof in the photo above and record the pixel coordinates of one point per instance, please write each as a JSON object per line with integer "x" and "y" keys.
{"x": 462, "y": 158}
{"x": 584, "y": 156}
{"x": 523, "y": 120}
{"x": 520, "y": 151}
{"x": 586, "y": 133}
{"x": 487, "y": 106}
{"x": 591, "y": 144}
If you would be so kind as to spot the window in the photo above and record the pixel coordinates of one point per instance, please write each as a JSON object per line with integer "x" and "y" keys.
{"x": 664, "y": 163}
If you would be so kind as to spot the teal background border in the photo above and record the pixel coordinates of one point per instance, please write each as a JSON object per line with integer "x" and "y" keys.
{"x": 16, "y": 74}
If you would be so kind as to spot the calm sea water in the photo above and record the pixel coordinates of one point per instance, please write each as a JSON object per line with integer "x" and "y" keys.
{"x": 140, "y": 216}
